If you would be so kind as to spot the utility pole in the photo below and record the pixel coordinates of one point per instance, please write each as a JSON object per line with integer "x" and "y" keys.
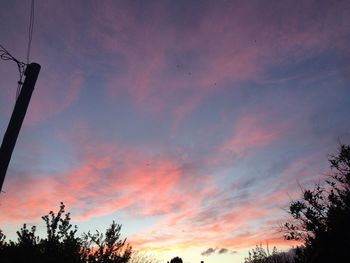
{"x": 17, "y": 117}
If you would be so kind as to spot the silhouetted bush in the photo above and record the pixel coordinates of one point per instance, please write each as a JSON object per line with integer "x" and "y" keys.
{"x": 176, "y": 260}
{"x": 260, "y": 255}
{"x": 321, "y": 219}
{"x": 143, "y": 258}
{"x": 62, "y": 245}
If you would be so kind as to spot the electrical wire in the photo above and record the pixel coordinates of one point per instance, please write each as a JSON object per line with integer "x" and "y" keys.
{"x": 21, "y": 66}
{"x": 31, "y": 28}
{"x": 5, "y": 55}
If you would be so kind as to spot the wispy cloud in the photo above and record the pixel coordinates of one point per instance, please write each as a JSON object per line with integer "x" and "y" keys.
{"x": 210, "y": 251}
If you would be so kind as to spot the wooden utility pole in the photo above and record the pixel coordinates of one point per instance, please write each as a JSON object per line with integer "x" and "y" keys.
{"x": 17, "y": 117}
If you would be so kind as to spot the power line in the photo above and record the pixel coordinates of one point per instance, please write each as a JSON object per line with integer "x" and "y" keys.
{"x": 31, "y": 28}
{"x": 5, "y": 55}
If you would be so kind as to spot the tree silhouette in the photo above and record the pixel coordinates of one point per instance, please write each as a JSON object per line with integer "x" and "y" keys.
{"x": 62, "y": 245}
{"x": 108, "y": 248}
{"x": 140, "y": 257}
{"x": 321, "y": 219}
{"x": 176, "y": 260}
{"x": 261, "y": 255}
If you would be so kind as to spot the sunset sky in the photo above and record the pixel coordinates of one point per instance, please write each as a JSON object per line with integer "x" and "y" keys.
{"x": 191, "y": 123}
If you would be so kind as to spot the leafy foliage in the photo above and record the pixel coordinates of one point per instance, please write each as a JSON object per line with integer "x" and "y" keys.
{"x": 260, "y": 255}
{"x": 321, "y": 219}
{"x": 62, "y": 245}
{"x": 143, "y": 258}
{"x": 106, "y": 248}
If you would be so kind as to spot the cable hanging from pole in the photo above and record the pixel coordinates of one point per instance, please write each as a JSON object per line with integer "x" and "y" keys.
{"x": 31, "y": 28}
{"x": 5, "y": 55}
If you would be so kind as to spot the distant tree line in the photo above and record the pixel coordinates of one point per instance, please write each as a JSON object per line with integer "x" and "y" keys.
{"x": 320, "y": 219}
{"x": 261, "y": 255}
{"x": 62, "y": 245}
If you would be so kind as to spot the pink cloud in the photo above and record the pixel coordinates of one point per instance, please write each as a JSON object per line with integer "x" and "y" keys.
{"x": 225, "y": 224}
{"x": 195, "y": 233}
{"x": 229, "y": 53}
{"x": 249, "y": 133}
{"x": 110, "y": 178}
{"x": 144, "y": 77}
{"x": 107, "y": 178}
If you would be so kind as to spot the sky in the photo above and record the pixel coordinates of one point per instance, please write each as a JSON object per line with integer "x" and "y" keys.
{"x": 192, "y": 123}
